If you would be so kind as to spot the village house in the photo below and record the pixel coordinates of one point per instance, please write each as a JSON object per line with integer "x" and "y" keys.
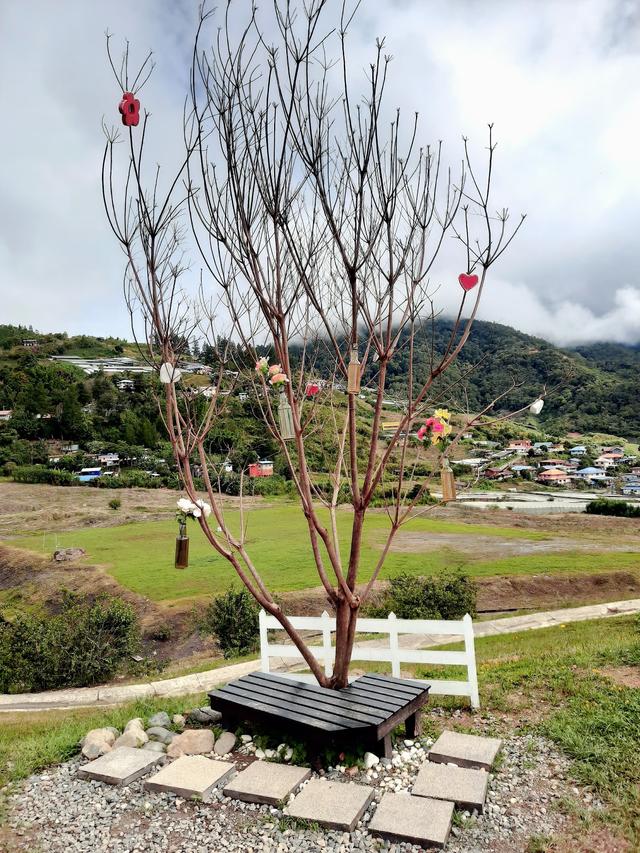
{"x": 5, "y": 414}
{"x": 497, "y": 474}
{"x": 108, "y": 459}
{"x": 263, "y": 468}
{"x": 30, "y": 343}
{"x": 606, "y": 460}
{"x": 592, "y": 474}
{"x": 632, "y": 489}
{"x": 578, "y": 450}
{"x": 521, "y": 444}
{"x": 554, "y": 477}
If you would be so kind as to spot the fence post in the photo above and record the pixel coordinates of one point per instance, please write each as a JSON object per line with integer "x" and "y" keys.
{"x": 470, "y": 651}
{"x": 264, "y": 642}
{"x": 326, "y": 642}
{"x": 393, "y": 646}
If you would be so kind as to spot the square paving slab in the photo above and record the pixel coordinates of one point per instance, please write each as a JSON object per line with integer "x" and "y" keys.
{"x": 334, "y": 805}
{"x": 190, "y": 776}
{"x": 120, "y": 766}
{"x": 464, "y": 786}
{"x": 465, "y": 750}
{"x": 266, "y": 782}
{"x": 401, "y": 817}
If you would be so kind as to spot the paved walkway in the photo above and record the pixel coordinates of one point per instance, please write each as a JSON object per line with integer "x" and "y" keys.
{"x": 203, "y": 681}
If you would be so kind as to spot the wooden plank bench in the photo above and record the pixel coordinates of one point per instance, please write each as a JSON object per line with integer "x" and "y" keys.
{"x": 366, "y": 711}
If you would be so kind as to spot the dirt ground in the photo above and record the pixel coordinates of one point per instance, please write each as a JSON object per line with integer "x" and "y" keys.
{"x": 26, "y": 508}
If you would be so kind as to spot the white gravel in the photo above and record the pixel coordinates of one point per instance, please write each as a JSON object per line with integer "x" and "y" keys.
{"x": 59, "y": 813}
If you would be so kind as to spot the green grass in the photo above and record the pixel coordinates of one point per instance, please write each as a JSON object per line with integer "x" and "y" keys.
{"x": 30, "y": 741}
{"x": 570, "y": 562}
{"x": 140, "y": 555}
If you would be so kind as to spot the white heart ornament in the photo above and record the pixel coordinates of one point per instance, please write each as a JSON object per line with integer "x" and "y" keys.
{"x": 169, "y": 373}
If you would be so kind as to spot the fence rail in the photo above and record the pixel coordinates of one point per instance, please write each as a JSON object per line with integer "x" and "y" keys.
{"x": 394, "y": 653}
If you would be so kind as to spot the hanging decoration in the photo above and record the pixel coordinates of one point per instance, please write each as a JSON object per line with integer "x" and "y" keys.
{"x": 436, "y": 427}
{"x": 285, "y": 418}
{"x": 536, "y": 407}
{"x": 467, "y": 281}
{"x": 353, "y": 372}
{"x": 278, "y": 380}
{"x": 187, "y": 509}
{"x": 447, "y": 480}
{"x": 169, "y": 373}
{"x": 129, "y": 108}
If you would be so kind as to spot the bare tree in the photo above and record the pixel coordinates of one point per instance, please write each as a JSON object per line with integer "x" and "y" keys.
{"x": 320, "y": 223}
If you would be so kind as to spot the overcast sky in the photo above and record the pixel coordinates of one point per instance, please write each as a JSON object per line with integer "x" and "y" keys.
{"x": 560, "y": 79}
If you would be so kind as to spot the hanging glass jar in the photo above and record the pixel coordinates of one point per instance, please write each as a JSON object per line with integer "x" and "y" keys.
{"x": 447, "y": 481}
{"x": 285, "y": 418}
{"x": 353, "y": 373}
{"x": 182, "y": 546}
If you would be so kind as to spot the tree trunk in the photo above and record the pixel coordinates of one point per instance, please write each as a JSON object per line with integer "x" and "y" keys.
{"x": 346, "y": 620}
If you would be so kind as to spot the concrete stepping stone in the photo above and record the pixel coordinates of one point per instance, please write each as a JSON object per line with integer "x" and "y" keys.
{"x": 120, "y": 766}
{"x": 465, "y": 750}
{"x": 263, "y": 782}
{"x": 418, "y": 820}
{"x": 464, "y": 786}
{"x": 190, "y": 776}
{"x": 334, "y": 805}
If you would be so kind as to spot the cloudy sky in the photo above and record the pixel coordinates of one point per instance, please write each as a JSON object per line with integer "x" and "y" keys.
{"x": 558, "y": 78}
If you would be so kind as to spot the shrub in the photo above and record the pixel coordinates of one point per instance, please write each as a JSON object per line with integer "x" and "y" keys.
{"x": 233, "y": 619}
{"x": 115, "y": 503}
{"x": 602, "y": 506}
{"x": 41, "y": 474}
{"x": 86, "y": 643}
{"x": 446, "y": 596}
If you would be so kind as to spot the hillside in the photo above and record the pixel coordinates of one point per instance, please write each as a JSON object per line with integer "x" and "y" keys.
{"x": 592, "y": 389}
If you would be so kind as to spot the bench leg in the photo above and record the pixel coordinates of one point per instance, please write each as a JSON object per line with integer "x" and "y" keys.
{"x": 384, "y": 747}
{"x": 413, "y": 725}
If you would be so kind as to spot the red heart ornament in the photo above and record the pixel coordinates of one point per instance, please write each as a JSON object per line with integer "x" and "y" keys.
{"x": 468, "y": 282}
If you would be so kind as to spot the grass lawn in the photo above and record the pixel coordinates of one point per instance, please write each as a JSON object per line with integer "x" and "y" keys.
{"x": 552, "y": 681}
{"x": 140, "y": 555}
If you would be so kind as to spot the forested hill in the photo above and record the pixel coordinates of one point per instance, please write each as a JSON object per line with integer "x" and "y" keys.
{"x": 595, "y": 388}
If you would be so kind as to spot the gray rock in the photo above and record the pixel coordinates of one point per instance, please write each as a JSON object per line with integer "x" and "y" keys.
{"x": 155, "y": 746}
{"x": 67, "y": 555}
{"x": 191, "y": 742}
{"x": 133, "y": 738}
{"x": 198, "y": 716}
{"x": 225, "y": 743}
{"x": 161, "y": 734}
{"x": 98, "y": 742}
{"x": 160, "y": 719}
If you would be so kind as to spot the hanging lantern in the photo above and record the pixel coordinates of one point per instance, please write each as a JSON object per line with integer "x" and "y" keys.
{"x": 448, "y": 482}
{"x": 285, "y": 417}
{"x": 353, "y": 373}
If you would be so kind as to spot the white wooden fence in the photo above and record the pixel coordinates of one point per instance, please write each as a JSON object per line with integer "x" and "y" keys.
{"x": 394, "y": 653}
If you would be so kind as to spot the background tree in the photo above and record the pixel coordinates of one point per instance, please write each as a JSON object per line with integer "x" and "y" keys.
{"x": 320, "y": 219}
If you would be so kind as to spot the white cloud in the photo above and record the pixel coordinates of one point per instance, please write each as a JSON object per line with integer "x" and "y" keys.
{"x": 559, "y": 85}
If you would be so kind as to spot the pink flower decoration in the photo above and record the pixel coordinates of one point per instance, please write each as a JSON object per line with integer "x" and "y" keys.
{"x": 434, "y": 424}
{"x": 278, "y": 379}
{"x": 422, "y": 432}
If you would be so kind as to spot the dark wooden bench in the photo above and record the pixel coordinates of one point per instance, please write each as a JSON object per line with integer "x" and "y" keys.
{"x": 364, "y": 713}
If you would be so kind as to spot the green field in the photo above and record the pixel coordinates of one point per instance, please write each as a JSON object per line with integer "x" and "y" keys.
{"x": 140, "y": 555}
